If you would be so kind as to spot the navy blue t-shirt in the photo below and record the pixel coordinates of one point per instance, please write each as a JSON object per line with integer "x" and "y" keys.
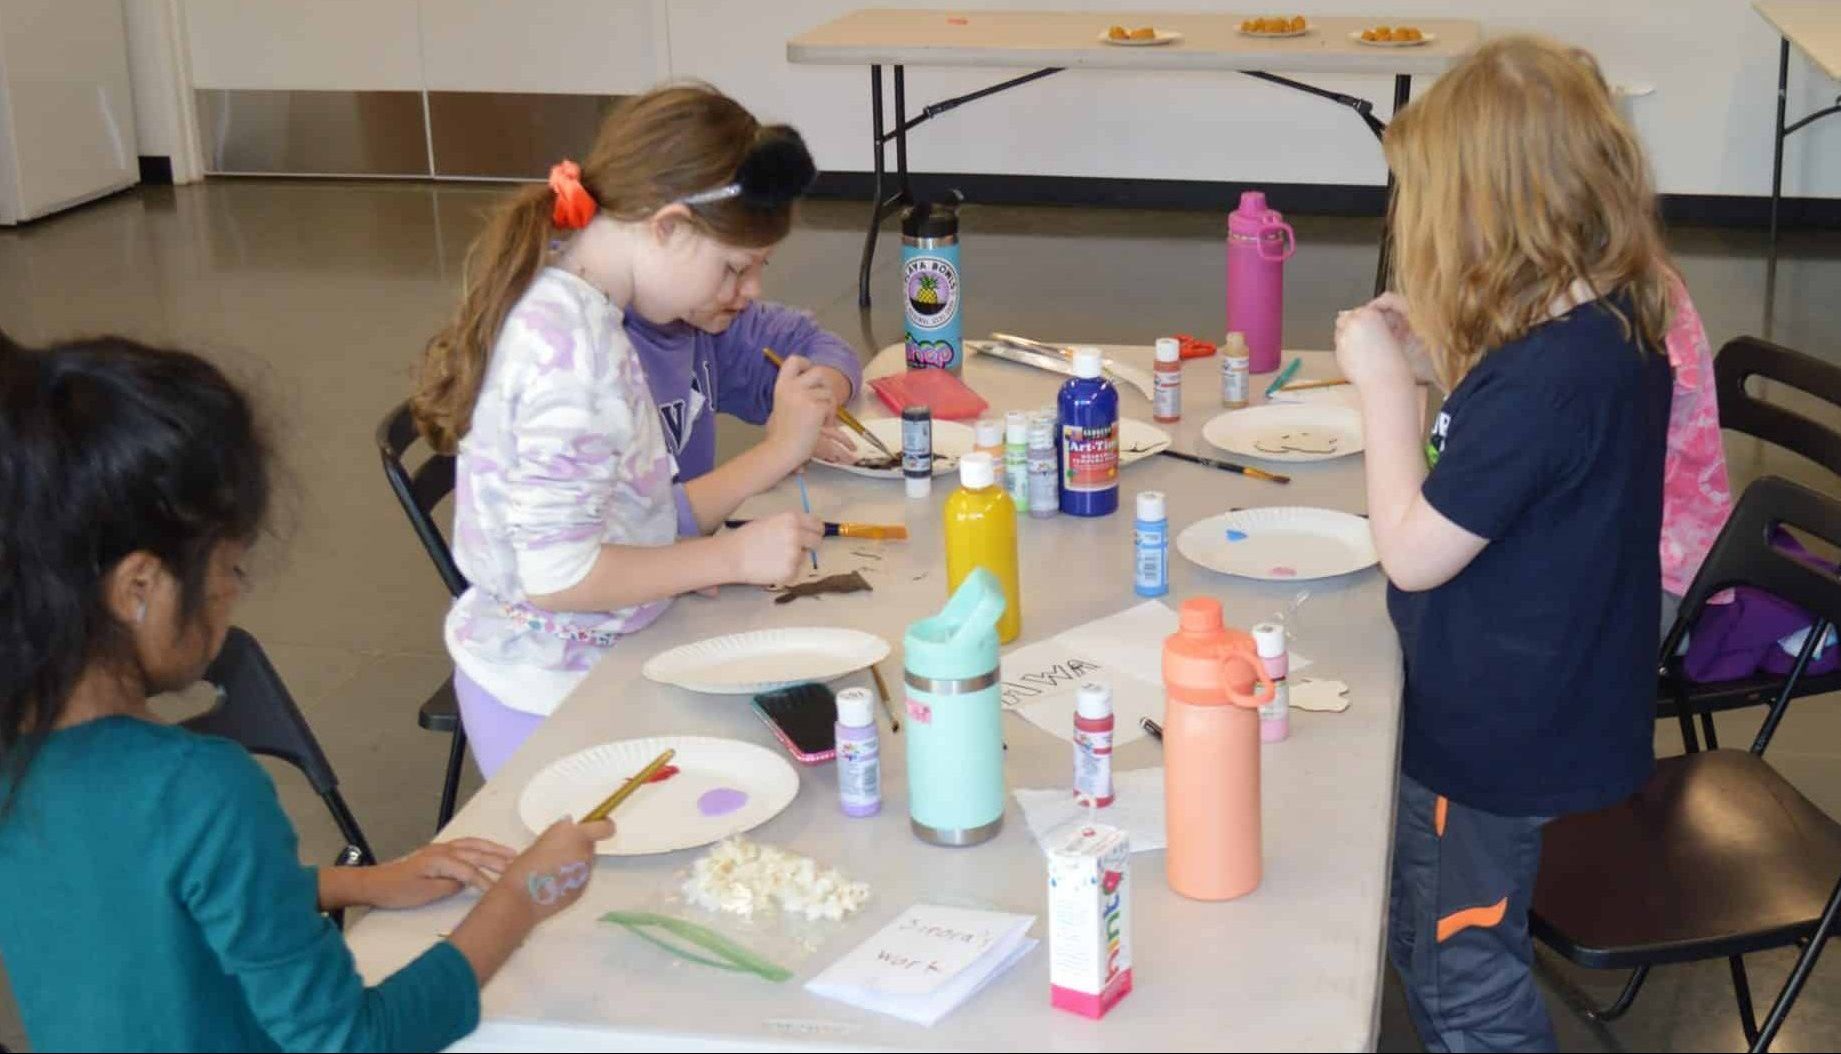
{"x": 1531, "y": 675}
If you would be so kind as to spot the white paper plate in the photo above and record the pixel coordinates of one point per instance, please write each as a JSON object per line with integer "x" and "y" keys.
{"x": 1291, "y": 432}
{"x": 1274, "y": 36}
{"x": 951, "y": 440}
{"x": 1139, "y": 440}
{"x": 1280, "y": 544}
{"x": 1356, "y": 35}
{"x": 723, "y": 787}
{"x": 1162, "y": 36}
{"x": 751, "y": 663}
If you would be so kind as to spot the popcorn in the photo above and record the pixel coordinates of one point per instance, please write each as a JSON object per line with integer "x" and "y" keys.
{"x": 739, "y": 877}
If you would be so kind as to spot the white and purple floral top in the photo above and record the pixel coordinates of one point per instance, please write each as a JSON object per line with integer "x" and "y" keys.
{"x": 565, "y": 454}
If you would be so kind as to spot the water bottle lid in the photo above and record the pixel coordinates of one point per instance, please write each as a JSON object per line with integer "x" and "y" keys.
{"x": 1200, "y": 615}
{"x": 1269, "y": 639}
{"x": 1016, "y": 426}
{"x": 856, "y": 708}
{"x": 1151, "y": 506}
{"x": 932, "y": 219}
{"x": 1253, "y": 202}
{"x": 1168, "y": 350}
{"x": 1094, "y": 701}
{"x": 978, "y": 470}
{"x": 1088, "y": 362}
{"x": 990, "y": 432}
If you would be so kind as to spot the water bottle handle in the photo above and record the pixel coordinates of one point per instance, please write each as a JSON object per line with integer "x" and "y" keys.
{"x": 1230, "y": 656}
{"x": 1291, "y": 241}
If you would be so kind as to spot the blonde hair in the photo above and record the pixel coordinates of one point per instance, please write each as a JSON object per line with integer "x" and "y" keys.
{"x": 652, "y": 150}
{"x": 1516, "y": 178}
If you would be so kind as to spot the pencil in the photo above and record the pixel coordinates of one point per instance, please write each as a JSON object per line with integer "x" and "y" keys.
{"x": 1327, "y": 382}
{"x": 805, "y": 499}
{"x": 601, "y": 811}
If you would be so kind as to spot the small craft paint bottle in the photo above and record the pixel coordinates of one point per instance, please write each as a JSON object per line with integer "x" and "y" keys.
{"x": 990, "y": 437}
{"x": 1168, "y": 404}
{"x": 1274, "y": 716}
{"x": 1093, "y": 723}
{"x": 1151, "y": 538}
{"x": 859, "y": 754}
{"x": 1044, "y": 467}
{"x": 1016, "y": 458}
{"x": 917, "y": 450}
{"x": 1235, "y": 376}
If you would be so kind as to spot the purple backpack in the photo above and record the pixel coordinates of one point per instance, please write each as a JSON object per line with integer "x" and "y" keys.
{"x": 1731, "y": 641}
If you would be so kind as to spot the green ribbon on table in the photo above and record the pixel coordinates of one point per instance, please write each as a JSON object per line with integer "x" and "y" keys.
{"x": 730, "y": 956}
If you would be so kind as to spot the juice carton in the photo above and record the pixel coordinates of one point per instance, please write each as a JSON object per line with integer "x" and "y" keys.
{"x": 1089, "y": 918}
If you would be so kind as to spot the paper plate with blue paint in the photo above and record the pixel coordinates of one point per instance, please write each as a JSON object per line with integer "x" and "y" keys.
{"x": 1280, "y": 544}
{"x": 721, "y": 787}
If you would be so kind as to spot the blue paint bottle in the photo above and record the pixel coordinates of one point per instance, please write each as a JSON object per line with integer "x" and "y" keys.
{"x": 1088, "y": 409}
{"x": 1151, "y": 546}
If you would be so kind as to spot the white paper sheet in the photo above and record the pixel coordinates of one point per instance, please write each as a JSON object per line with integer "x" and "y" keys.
{"x": 1137, "y": 807}
{"x": 927, "y": 962}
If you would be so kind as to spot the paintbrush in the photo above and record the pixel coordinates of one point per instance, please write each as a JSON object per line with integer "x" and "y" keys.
{"x": 1227, "y": 466}
{"x": 878, "y": 532}
{"x": 805, "y": 499}
{"x": 601, "y": 811}
{"x": 849, "y": 419}
{"x": 882, "y": 689}
{"x": 1328, "y": 382}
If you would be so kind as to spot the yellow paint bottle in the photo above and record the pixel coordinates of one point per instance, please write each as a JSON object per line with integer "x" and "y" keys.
{"x": 981, "y": 532}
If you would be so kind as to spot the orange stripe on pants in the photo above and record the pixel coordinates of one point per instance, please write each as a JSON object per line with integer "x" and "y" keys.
{"x": 1459, "y": 921}
{"x": 1438, "y": 815}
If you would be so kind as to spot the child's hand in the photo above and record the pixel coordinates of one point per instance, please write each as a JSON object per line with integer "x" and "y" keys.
{"x": 834, "y": 445}
{"x": 770, "y": 551}
{"x": 435, "y": 872}
{"x": 1392, "y": 306}
{"x": 1367, "y": 351}
{"x": 554, "y": 871}
{"x": 803, "y": 404}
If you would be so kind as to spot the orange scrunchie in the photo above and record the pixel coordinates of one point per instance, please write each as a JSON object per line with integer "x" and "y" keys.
{"x": 574, "y": 205}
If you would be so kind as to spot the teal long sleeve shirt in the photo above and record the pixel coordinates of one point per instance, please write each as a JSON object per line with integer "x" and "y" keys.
{"x": 152, "y": 898}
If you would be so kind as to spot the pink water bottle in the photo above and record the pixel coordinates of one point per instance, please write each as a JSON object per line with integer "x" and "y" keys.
{"x": 1259, "y": 241}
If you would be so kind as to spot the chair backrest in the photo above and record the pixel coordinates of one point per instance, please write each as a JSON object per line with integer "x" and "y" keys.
{"x": 1741, "y": 411}
{"x": 255, "y": 709}
{"x": 420, "y": 491}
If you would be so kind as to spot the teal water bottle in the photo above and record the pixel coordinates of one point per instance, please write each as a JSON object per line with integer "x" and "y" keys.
{"x": 930, "y": 286}
{"x": 955, "y": 717}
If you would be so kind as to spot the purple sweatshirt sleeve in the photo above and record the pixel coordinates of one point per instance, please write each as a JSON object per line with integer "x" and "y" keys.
{"x": 744, "y": 377}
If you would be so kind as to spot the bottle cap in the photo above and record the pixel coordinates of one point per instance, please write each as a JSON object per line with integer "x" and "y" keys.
{"x": 1234, "y": 345}
{"x": 1088, "y": 362}
{"x": 856, "y": 708}
{"x": 977, "y": 470}
{"x": 1199, "y": 615}
{"x": 1094, "y": 701}
{"x": 919, "y": 486}
{"x": 1151, "y": 505}
{"x": 916, "y": 413}
{"x": 1016, "y": 426}
{"x": 1269, "y": 639}
{"x": 1168, "y": 350}
{"x": 990, "y": 433}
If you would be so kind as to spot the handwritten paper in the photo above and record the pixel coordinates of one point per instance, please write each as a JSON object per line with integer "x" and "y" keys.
{"x": 927, "y": 962}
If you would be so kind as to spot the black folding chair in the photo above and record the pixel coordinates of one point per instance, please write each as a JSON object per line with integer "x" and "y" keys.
{"x": 1717, "y": 855}
{"x": 1740, "y": 411}
{"x": 418, "y": 493}
{"x": 255, "y": 709}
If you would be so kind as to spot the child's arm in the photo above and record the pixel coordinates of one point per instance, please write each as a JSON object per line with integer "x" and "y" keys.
{"x": 431, "y": 873}
{"x": 803, "y": 403}
{"x": 765, "y": 552}
{"x": 745, "y": 380}
{"x": 1419, "y": 547}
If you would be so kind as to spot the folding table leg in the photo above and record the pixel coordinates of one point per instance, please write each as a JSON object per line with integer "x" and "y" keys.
{"x": 875, "y": 196}
{"x": 1403, "y": 90}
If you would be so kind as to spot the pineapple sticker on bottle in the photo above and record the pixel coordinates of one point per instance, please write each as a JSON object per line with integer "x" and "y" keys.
{"x": 930, "y": 285}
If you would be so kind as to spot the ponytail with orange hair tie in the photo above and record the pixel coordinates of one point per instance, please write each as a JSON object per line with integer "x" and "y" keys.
{"x": 574, "y": 205}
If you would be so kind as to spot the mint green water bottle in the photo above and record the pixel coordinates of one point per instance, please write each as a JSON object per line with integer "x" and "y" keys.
{"x": 955, "y": 717}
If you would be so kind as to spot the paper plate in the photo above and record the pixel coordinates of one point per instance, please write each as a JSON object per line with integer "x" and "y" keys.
{"x": 751, "y": 663}
{"x": 1275, "y": 36}
{"x": 1280, "y": 544}
{"x": 722, "y": 787}
{"x": 1161, "y": 36}
{"x": 1312, "y": 431}
{"x": 1425, "y": 38}
{"x": 950, "y": 440}
{"x": 1138, "y": 440}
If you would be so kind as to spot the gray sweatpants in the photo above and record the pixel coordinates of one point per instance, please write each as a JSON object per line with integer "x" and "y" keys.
{"x": 1457, "y": 927}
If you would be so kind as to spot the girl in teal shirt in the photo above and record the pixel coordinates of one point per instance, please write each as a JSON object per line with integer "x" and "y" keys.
{"x": 151, "y": 891}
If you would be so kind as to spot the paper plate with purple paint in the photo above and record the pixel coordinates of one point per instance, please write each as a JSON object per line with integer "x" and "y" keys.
{"x": 721, "y": 787}
{"x": 1280, "y": 544}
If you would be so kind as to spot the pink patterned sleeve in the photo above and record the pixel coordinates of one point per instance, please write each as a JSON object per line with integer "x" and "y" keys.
{"x": 1696, "y": 492}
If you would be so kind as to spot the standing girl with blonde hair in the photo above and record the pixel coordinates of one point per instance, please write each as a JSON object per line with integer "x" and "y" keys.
{"x": 1520, "y": 543}
{"x": 566, "y": 522}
